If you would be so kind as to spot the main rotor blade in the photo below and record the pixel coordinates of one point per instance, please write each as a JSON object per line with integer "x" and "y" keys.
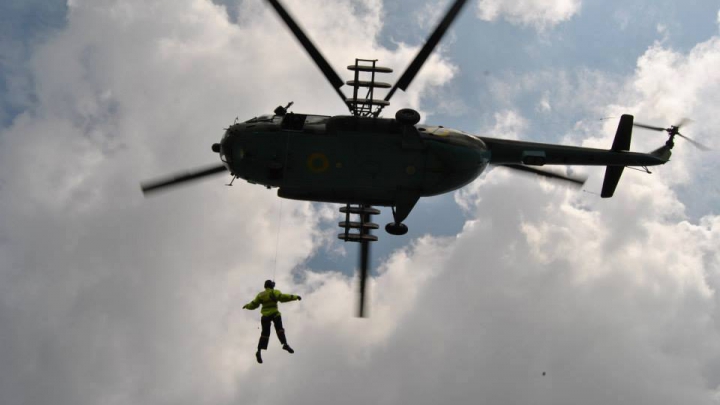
{"x": 575, "y": 181}
{"x": 315, "y": 54}
{"x": 364, "y": 262}
{"x": 649, "y": 127}
{"x": 695, "y": 143}
{"x": 683, "y": 122}
{"x": 427, "y": 49}
{"x": 178, "y": 178}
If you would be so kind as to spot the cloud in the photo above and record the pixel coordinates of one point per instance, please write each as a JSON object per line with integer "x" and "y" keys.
{"x": 538, "y": 14}
{"x": 109, "y": 297}
{"x": 509, "y": 124}
{"x": 551, "y": 296}
{"x": 590, "y": 297}
{"x": 428, "y": 17}
{"x": 546, "y": 295}
{"x": 572, "y": 92}
{"x": 23, "y": 25}
{"x": 666, "y": 87}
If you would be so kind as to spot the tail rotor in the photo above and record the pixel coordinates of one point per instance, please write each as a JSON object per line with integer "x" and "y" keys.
{"x": 674, "y": 130}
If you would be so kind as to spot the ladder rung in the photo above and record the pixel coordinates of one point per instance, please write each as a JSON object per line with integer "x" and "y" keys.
{"x": 356, "y": 237}
{"x": 360, "y": 210}
{"x": 366, "y": 83}
{"x": 358, "y": 225}
{"x": 366, "y": 68}
{"x": 367, "y": 101}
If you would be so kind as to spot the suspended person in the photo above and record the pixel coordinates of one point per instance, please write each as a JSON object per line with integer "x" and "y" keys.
{"x": 269, "y": 300}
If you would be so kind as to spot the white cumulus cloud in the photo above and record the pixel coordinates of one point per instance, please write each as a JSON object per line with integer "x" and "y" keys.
{"x": 107, "y": 297}
{"x": 545, "y": 296}
{"x": 541, "y": 14}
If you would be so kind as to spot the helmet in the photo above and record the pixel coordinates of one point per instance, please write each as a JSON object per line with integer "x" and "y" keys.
{"x": 269, "y": 284}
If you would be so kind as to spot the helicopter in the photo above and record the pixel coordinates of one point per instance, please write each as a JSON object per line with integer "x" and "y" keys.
{"x": 363, "y": 160}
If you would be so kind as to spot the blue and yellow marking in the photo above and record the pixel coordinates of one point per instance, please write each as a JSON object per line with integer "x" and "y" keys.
{"x": 441, "y": 132}
{"x": 317, "y": 162}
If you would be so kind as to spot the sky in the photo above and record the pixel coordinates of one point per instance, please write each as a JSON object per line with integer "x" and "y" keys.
{"x": 511, "y": 290}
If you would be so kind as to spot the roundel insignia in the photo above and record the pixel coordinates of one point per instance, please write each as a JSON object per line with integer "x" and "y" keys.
{"x": 317, "y": 162}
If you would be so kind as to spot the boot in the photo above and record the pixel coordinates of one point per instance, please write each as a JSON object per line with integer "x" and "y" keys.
{"x": 258, "y": 356}
{"x": 288, "y": 349}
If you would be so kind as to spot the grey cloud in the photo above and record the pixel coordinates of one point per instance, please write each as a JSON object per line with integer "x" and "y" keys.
{"x": 23, "y": 26}
{"x": 106, "y": 297}
{"x": 496, "y": 307}
{"x": 539, "y": 14}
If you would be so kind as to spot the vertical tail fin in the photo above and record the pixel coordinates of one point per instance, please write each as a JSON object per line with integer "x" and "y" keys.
{"x": 621, "y": 143}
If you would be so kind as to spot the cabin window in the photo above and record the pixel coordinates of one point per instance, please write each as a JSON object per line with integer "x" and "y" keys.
{"x": 316, "y": 119}
{"x": 294, "y": 122}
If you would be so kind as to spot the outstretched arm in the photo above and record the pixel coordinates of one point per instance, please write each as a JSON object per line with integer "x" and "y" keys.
{"x": 252, "y": 304}
{"x": 288, "y": 297}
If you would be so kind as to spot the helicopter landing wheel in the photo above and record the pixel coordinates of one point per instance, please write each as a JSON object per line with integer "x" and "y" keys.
{"x": 407, "y": 116}
{"x": 394, "y": 228}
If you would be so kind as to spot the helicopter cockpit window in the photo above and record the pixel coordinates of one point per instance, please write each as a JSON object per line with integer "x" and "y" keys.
{"x": 225, "y": 152}
{"x": 262, "y": 118}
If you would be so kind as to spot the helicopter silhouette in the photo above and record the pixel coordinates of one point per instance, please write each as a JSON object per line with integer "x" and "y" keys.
{"x": 363, "y": 160}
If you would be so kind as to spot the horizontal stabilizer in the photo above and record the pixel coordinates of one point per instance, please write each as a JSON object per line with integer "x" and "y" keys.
{"x": 612, "y": 177}
{"x": 621, "y": 143}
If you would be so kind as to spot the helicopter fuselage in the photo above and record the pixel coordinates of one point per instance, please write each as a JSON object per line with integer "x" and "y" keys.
{"x": 351, "y": 160}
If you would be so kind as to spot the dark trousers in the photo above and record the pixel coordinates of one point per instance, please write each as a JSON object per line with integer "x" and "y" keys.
{"x": 265, "y": 334}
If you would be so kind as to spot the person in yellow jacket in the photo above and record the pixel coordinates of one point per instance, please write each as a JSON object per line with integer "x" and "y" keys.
{"x": 269, "y": 300}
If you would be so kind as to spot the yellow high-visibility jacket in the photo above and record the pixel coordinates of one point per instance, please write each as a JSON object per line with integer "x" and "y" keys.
{"x": 269, "y": 300}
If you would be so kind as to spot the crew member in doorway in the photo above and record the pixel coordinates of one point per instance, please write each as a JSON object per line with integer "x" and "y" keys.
{"x": 269, "y": 300}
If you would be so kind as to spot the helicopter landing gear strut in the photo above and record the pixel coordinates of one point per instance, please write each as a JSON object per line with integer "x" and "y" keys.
{"x": 403, "y": 205}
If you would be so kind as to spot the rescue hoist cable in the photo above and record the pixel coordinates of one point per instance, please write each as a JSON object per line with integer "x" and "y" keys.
{"x": 279, "y": 225}
{"x": 277, "y": 239}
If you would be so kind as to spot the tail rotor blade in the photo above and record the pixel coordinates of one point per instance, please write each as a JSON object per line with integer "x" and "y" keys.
{"x": 695, "y": 143}
{"x": 674, "y": 130}
{"x": 654, "y": 128}
{"x": 683, "y": 122}
{"x": 159, "y": 184}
